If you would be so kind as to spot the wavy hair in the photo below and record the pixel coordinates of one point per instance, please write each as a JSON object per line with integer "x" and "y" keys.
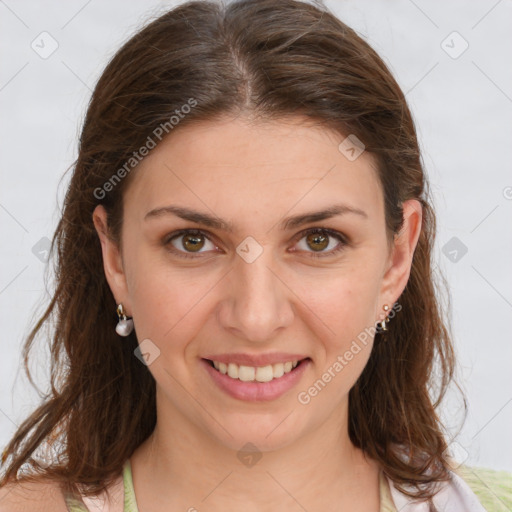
{"x": 272, "y": 60}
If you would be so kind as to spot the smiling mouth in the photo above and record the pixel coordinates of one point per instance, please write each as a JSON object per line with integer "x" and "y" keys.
{"x": 255, "y": 373}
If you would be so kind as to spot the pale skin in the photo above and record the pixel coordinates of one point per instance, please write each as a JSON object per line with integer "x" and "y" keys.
{"x": 253, "y": 175}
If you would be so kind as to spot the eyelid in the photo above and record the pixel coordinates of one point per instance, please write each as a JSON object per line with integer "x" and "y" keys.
{"x": 341, "y": 237}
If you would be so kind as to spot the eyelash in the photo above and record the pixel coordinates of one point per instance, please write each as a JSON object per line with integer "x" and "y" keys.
{"x": 331, "y": 233}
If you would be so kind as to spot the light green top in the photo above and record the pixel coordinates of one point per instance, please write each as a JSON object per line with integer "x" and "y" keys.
{"x": 75, "y": 504}
{"x": 492, "y": 488}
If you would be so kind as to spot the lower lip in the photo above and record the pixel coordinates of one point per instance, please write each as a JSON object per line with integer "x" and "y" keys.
{"x": 257, "y": 391}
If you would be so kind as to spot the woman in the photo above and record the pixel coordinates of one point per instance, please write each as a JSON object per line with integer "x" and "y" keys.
{"x": 246, "y": 314}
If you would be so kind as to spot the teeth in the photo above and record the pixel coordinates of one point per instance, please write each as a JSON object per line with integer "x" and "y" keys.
{"x": 246, "y": 373}
{"x": 264, "y": 373}
{"x": 233, "y": 370}
{"x": 278, "y": 370}
{"x": 258, "y": 374}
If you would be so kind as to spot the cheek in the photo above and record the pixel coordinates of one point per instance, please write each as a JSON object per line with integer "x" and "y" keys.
{"x": 347, "y": 312}
{"x": 345, "y": 300}
{"x": 167, "y": 303}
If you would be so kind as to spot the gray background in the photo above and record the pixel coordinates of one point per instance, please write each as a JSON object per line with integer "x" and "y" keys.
{"x": 462, "y": 104}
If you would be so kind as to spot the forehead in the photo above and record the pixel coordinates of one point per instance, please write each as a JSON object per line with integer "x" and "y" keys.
{"x": 253, "y": 168}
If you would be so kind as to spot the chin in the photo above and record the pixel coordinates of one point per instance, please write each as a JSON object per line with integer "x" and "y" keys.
{"x": 264, "y": 434}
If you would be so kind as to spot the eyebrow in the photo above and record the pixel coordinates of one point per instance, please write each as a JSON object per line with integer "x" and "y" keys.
{"x": 212, "y": 221}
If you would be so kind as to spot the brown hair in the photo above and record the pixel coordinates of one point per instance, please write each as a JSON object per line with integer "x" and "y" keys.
{"x": 270, "y": 59}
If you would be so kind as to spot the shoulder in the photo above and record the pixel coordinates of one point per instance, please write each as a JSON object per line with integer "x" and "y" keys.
{"x": 492, "y": 487}
{"x": 25, "y": 496}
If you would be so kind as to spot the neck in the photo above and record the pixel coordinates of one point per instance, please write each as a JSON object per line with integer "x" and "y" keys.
{"x": 181, "y": 467}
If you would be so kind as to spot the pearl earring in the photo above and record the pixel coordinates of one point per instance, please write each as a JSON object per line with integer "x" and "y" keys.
{"x": 386, "y": 320}
{"x": 125, "y": 325}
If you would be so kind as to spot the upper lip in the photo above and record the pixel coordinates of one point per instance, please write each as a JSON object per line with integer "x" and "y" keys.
{"x": 256, "y": 360}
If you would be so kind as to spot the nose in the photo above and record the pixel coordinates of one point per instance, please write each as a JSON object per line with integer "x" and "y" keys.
{"x": 258, "y": 303}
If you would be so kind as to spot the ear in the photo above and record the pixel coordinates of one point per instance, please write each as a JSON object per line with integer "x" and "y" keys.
{"x": 112, "y": 261}
{"x": 401, "y": 254}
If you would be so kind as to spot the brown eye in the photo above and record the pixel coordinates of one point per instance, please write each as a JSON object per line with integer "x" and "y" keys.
{"x": 317, "y": 240}
{"x": 192, "y": 241}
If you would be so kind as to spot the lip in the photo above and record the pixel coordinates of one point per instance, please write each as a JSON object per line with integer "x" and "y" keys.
{"x": 257, "y": 391}
{"x": 256, "y": 360}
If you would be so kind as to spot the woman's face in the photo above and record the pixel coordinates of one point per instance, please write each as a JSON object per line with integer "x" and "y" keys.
{"x": 252, "y": 285}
